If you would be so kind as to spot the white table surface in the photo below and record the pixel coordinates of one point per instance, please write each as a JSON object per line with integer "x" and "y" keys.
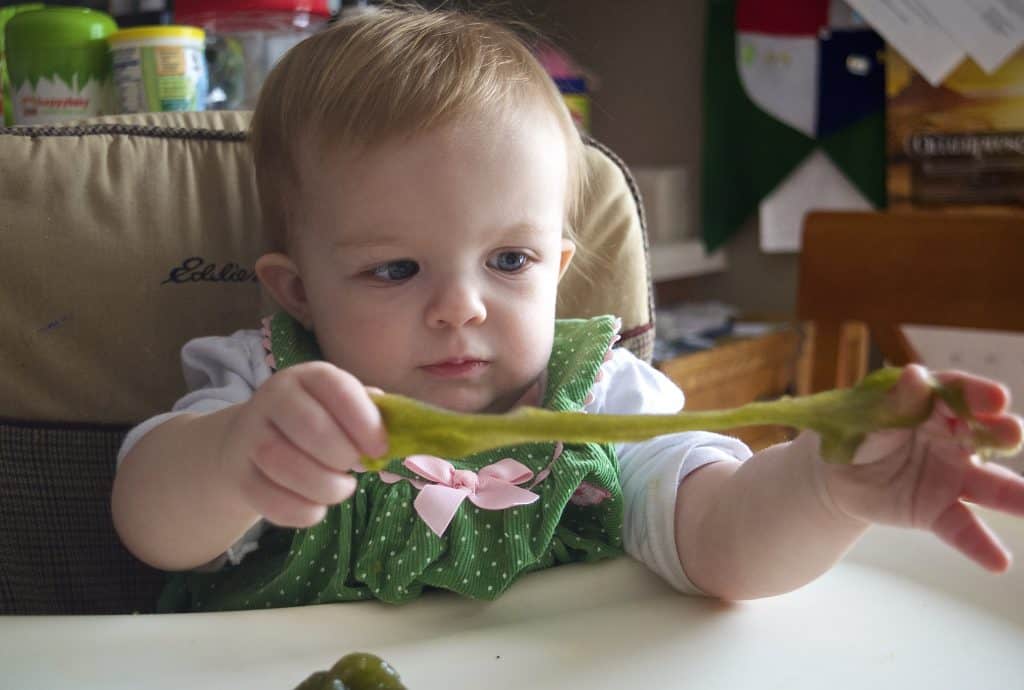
{"x": 900, "y": 611}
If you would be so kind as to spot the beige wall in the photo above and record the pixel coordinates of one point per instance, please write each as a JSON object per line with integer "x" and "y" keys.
{"x": 648, "y": 109}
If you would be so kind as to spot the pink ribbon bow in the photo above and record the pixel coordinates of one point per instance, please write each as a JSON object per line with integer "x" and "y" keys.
{"x": 494, "y": 488}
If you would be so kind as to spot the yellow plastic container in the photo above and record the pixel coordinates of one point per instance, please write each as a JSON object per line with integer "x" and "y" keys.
{"x": 159, "y": 68}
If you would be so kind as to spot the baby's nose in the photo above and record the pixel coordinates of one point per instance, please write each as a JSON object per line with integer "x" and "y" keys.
{"x": 456, "y": 302}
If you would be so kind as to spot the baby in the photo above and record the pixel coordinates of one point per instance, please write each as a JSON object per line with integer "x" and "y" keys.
{"x": 419, "y": 175}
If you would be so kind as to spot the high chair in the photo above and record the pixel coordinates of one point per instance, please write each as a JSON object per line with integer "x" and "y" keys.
{"x": 863, "y": 275}
{"x": 123, "y": 237}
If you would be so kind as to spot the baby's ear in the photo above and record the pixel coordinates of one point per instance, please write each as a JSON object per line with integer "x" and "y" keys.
{"x": 568, "y": 251}
{"x": 280, "y": 277}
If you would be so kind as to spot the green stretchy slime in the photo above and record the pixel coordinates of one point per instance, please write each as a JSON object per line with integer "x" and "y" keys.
{"x": 841, "y": 417}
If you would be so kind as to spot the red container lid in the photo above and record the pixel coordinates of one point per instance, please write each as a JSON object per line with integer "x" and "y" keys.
{"x": 186, "y": 9}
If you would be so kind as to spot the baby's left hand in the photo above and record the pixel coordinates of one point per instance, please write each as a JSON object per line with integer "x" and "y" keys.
{"x": 922, "y": 477}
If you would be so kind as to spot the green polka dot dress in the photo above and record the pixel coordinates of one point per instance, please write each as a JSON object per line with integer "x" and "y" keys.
{"x": 377, "y": 546}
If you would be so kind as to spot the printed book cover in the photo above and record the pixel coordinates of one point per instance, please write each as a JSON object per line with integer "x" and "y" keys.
{"x": 958, "y": 145}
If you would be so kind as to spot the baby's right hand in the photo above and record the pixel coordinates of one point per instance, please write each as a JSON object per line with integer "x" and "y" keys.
{"x": 292, "y": 446}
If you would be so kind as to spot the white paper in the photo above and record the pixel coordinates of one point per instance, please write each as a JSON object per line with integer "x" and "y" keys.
{"x": 817, "y": 184}
{"x": 989, "y": 30}
{"x": 913, "y": 30}
{"x": 995, "y": 354}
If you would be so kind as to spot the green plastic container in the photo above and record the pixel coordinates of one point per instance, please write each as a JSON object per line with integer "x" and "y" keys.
{"x": 6, "y": 115}
{"x": 59, "y": 64}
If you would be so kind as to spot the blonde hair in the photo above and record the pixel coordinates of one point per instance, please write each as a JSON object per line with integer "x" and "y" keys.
{"x": 388, "y": 72}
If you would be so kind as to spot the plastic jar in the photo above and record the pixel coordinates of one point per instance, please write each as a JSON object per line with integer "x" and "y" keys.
{"x": 245, "y": 38}
{"x": 159, "y": 68}
{"x": 59, "y": 64}
{"x": 6, "y": 112}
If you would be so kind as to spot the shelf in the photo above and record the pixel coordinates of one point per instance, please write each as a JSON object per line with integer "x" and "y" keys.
{"x": 683, "y": 260}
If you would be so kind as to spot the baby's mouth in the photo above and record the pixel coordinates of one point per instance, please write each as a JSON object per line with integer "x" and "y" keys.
{"x": 457, "y": 367}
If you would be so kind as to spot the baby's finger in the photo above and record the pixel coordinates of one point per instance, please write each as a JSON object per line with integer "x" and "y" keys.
{"x": 983, "y": 396}
{"x": 279, "y": 505}
{"x": 348, "y": 402}
{"x": 996, "y": 487}
{"x": 312, "y": 429}
{"x": 289, "y": 468}
{"x": 1002, "y": 431}
{"x": 965, "y": 532}
{"x": 913, "y": 392}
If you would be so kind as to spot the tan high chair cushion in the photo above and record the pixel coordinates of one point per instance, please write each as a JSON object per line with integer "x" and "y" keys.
{"x": 121, "y": 243}
{"x": 122, "y": 238}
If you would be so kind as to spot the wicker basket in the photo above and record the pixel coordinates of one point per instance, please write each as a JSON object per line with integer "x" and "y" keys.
{"x": 738, "y": 371}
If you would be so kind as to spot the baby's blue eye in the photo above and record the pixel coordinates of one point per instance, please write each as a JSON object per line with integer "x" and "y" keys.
{"x": 396, "y": 270}
{"x": 510, "y": 261}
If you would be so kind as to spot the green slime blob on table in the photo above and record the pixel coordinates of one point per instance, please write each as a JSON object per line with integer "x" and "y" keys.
{"x": 842, "y": 417}
{"x": 356, "y": 671}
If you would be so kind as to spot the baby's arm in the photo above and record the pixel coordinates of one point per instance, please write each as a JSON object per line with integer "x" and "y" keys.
{"x": 784, "y": 516}
{"x": 191, "y": 486}
{"x": 763, "y": 526}
{"x": 175, "y": 504}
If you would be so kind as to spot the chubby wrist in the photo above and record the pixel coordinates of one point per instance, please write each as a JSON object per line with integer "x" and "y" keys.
{"x": 225, "y": 467}
{"x": 229, "y": 461}
{"x": 821, "y": 475}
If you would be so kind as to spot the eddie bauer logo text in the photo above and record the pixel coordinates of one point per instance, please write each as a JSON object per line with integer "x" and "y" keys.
{"x": 196, "y": 269}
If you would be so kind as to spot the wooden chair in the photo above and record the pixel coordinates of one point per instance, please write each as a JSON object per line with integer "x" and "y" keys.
{"x": 862, "y": 275}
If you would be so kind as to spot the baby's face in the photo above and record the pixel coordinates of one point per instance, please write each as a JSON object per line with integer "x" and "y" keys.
{"x": 431, "y": 264}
